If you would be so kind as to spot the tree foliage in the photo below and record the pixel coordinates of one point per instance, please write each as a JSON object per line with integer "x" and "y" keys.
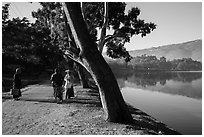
{"x": 124, "y": 26}
{"x": 46, "y": 40}
{"x": 16, "y": 37}
{"x": 27, "y": 42}
{"x": 5, "y": 13}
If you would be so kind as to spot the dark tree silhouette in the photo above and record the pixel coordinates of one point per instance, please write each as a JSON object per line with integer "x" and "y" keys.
{"x": 112, "y": 101}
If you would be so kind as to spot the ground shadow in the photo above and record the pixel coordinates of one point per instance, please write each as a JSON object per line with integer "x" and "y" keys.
{"x": 89, "y": 102}
{"x": 89, "y": 97}
{"x": 142, "y": 121}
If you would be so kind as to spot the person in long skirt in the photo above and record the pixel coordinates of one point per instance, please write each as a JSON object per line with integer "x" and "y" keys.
{"x": 57, "y": 81}
{"x": 69, "y": 81}
{"x": 17, "y": 85}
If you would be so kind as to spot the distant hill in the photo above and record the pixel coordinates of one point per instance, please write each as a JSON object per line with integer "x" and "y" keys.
{"x": 190, "y": 49}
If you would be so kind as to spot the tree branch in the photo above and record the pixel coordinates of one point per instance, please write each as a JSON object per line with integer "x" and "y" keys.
{"x": 103, "y": 31}
{"x": 108, "y": 37}
{"x": 77, "y": 60}
{"x": 70, "y": 36}
{"x": 70, "y": 25}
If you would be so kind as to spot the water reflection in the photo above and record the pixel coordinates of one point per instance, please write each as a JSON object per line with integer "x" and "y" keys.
{"x": 174, "y": 98}
{"x": 187, "y": 84}
{"x": 178, "y": 112}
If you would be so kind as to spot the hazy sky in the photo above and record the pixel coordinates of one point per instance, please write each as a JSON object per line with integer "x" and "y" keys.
{"x": 176, "y": 21}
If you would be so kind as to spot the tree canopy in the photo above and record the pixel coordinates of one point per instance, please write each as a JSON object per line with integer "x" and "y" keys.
{"x": 24, "y": 42}
{"x": 47, "y": 38}
{"x": 124, "y": 26}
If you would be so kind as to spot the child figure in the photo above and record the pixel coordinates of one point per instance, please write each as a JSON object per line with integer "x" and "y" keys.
{"x": 69, "y": 80}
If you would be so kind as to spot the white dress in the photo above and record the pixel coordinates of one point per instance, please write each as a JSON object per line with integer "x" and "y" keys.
{"x": 69, "y": 80}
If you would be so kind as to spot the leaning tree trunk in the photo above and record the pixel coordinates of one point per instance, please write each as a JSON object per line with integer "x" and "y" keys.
{"x": 112, "y": 101}
{"x": 82, "y": 77}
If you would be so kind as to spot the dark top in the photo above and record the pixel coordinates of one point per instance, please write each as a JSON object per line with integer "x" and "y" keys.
{"x": 17, "y": 81}
{"x": 57, "y": 79}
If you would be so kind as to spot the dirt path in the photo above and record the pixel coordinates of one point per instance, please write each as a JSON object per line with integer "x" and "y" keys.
{"x": 36, "y": 113}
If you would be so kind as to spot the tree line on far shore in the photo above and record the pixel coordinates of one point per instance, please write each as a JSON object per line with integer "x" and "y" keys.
{"x": 150, "y": 62}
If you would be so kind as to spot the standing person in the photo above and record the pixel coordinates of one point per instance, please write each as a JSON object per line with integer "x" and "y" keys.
{"x": 69, "y": 81}
{"x": 57, "y": 82}
{"x": 17, "y": 85}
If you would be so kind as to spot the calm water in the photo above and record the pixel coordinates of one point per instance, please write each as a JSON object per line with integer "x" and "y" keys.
{"x": 173, "y": 98}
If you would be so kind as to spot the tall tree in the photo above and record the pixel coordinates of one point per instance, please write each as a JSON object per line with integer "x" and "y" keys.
{"x": 115, "y": 43}
{"x": 46, "y": 18}
{"x": 112, "y": 16}
{"x": 16, "y": 37}
{"x": 103, "y": 16}
{"x": 51, "y": 16}
{"x": 27, "y": 42}
{"x": 113, "y": 103}
{"x": 99, "y": 16}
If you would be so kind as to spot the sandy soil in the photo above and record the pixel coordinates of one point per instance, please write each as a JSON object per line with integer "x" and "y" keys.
{"x": 36, "y": 113}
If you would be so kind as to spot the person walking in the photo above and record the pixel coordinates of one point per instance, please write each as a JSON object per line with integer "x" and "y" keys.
{"x": 57, "y": 82}
{"x": 17, "y": 84}
{"x": 69, "y": 81}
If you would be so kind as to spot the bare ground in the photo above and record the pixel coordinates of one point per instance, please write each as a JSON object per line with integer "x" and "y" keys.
{"x": 36, "y": 113}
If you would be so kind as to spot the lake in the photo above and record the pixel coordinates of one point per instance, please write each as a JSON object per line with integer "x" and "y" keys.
{"x": 174, "y": 98}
